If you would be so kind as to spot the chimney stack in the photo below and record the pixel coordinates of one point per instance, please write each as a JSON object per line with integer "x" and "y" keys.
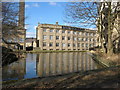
{"x": 56, "y": 23}
{"x": 21, "y": 23}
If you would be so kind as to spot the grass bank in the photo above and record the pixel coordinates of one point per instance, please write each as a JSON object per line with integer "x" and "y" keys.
{"x": 45, "y": 51}
{"x": 106, "y": 60}
{"x": 100, "y": 78}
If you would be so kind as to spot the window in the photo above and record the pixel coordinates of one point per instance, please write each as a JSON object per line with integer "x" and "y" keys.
{"x": 51, "y": 37}
{"x": 79, "y": 39}
{"x": 86, "y": 44}
{"x": 57, "y": 37}
{"x": 44, "y": 37}
{"x": 63, "y": 31}
{"x": 63, "y": 37}
{"x": 83, "y": 33}
{"x": 57, "y": 31}
{"x": 68, "y": 38}
{"x": 74, "y": 45}
{"x": 51, "y": 30}
{"x": 82, "y": 44}
{"x": 68, "y": 44}
{"x": 50, "y": 44}
{"x": 78, "y": 44}
{"x": 68, "y": 31}
{"x": 74, "y": 38}
{"x": 57, "y": 44}
{"x": 82, "y": 39}
{"x": 90, "y": 45}
{"x": 63, "y": 44}
{"x": 91, "y": 34}
{"x": 86, "y": 39}
{"x": 86, "y": 34}
{"x": 74, "y": 32}
{"x": 44, "y": 43}
{"x": 90, "y": 39}
{"x": 44, "y": 30}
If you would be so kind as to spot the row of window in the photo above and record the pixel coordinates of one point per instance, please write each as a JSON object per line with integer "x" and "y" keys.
{"x": 64, "y": 45}
{"x": 68, "y": 38}
{"x": 72, "y": 32}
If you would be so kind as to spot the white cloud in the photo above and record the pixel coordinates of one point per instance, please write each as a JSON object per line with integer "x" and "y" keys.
{"x": 27, "y": 6}
{"x": 53, "y": 3}
{"x": 26, "y": 26}
{"x": 30, "y": 34}
{"x": 35, "y": 5}
{"x": 35, "y": 27}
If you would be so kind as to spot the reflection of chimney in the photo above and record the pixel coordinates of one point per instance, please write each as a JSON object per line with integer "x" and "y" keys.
{"x": 56, "y": 23}
{"x": 21, "y": 14}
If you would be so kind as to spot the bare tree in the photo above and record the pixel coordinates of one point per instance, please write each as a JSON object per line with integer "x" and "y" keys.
{"x": 9, "y": 19}
{"x": 102, "y": 14}
{"x": 81, "y": 13}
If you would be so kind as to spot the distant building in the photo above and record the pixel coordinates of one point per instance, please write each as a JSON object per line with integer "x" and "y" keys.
{"x": 60, "y": 37}
{"x": 30, "y": 42}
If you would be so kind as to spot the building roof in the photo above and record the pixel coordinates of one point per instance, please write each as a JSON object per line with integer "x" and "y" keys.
{"x": 64, "y": 27}
{"x": 30, "y": 39}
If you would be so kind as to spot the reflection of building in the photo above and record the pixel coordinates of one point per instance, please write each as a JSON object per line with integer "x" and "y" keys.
{"x": 30, "y": 42}
{"x": 61, "y": 63}
{"x": 58, "y": 37}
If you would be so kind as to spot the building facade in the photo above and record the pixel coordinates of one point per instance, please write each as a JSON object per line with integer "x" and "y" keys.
{"x": 59, "y": 37}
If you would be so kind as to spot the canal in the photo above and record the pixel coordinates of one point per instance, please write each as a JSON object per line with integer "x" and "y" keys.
{"x": 48, "y": 64}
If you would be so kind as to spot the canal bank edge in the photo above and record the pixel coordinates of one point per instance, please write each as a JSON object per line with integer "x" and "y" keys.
{"x": 102, "y": 61}
{"x": 108, "y": 75}
{"x": 46, "y": 51}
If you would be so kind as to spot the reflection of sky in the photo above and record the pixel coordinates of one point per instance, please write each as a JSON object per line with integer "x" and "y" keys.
{"x": 30, "y": 66}
{"x": 48, "y": 65}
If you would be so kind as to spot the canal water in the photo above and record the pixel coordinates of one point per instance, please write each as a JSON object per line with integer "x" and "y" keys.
{"x": 48, "y": 64}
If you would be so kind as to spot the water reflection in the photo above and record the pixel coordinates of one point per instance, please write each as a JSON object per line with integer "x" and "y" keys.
{"x": 61, "y": 63}
{"x": 47, "y": 64}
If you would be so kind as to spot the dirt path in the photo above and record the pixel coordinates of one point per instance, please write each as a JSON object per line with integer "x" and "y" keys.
{"x": 102, "y": 78}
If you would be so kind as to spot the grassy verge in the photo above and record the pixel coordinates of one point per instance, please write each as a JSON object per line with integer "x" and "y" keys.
{"x": 105, "y": 60}
{"x": 45, "y": 51}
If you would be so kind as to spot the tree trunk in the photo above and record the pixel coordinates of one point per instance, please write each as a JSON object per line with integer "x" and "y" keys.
{"x": 109, "y": 44}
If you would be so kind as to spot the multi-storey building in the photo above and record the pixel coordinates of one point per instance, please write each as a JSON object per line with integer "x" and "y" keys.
{"x": 59, "y": 37}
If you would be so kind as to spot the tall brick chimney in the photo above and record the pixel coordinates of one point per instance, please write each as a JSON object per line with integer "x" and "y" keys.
{"x": 21, "y": 23}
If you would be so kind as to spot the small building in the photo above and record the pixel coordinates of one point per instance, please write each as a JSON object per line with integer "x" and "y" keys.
{"x": 30, "y": 42}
